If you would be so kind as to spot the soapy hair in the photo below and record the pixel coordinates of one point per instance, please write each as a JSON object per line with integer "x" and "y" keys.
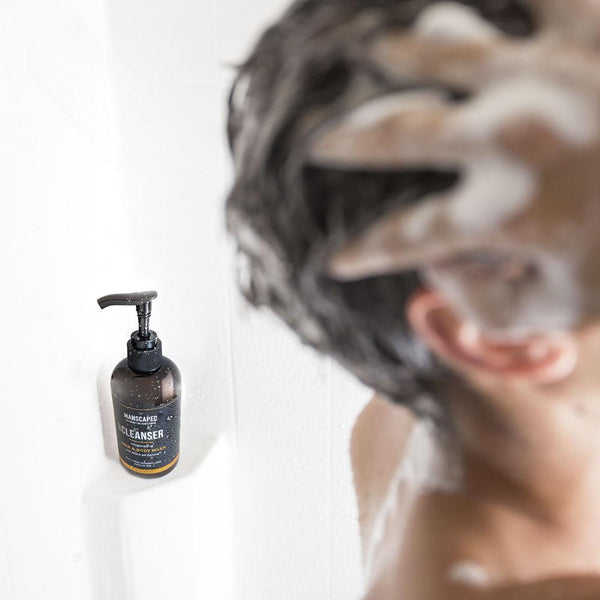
{"x": 285, "y": 215}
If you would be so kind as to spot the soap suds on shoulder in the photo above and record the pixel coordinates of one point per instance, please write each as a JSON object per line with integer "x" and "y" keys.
{"x": 431, "y": 463}
{"x": 468, "y": 573}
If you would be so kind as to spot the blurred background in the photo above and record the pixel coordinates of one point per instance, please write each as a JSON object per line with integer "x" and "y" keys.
{"x": 114, "y": 174}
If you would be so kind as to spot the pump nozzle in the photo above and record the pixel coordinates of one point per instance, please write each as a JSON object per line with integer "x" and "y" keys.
{"x": 144, "y": 350}
{"x": 141, "y": 300}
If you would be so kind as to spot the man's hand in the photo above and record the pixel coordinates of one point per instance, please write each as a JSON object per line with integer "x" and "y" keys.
{"x": 525, "y": 137}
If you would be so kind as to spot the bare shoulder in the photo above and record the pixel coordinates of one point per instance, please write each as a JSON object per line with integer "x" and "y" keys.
{"x": 377, "y": 446}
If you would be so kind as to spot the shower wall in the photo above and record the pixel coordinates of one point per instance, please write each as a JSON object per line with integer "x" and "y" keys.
{"x": 115, "y": 173}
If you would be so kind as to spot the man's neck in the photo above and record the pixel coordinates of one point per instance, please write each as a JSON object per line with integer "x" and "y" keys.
{"x": 543, "y": 461}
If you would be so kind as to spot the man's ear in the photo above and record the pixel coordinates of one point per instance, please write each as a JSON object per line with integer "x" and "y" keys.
{"x": 539, "y": 359}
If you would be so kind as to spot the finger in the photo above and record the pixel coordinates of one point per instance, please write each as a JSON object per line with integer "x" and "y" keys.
{"x": 474, "y": 65}
{"x": 450, "y": 42}
{"x": 409, "y": 57}
{"x": 394, "y": 130}
{"x": 468, "y": 217}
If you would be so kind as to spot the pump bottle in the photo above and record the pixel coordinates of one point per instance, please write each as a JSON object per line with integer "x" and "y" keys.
{"x": 146, "y": 393}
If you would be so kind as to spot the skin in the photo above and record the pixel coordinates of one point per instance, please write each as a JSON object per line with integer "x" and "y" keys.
{"x": 529, "y": 437}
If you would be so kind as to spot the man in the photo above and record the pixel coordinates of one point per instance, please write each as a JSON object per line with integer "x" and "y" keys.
{"x": 417, "y": 194}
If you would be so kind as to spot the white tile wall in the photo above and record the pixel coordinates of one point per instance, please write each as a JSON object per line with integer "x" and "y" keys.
{"x": 114, "y": 175}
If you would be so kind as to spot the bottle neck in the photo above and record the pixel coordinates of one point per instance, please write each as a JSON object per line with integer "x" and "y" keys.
{"x": 144, "y": 356}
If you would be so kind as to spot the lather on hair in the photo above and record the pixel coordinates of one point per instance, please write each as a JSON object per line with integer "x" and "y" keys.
{"x": 287, "y": 213}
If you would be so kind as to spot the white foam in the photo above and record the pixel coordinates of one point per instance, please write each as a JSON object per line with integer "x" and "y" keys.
{"x": 570, "y": 113}
{"x": 452, "y": 22}
{"x": 431, "y": 463}
{"x": 480, "y": 202}
{"x": 468, "y": 573}
{"x": 485, "y": 200}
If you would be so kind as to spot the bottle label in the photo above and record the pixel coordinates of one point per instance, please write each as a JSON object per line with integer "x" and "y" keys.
{"x": 148, "y": 438}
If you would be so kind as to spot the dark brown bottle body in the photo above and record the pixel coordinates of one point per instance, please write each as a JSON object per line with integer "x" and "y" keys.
{"x": 147, "y": 409}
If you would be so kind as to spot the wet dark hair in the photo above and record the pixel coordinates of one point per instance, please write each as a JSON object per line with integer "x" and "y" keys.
{"x": 286, "y": 215}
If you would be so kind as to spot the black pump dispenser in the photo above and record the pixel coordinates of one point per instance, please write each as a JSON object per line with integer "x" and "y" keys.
{"x": 146, "y": 393}
{"x": 144, "y": 348}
